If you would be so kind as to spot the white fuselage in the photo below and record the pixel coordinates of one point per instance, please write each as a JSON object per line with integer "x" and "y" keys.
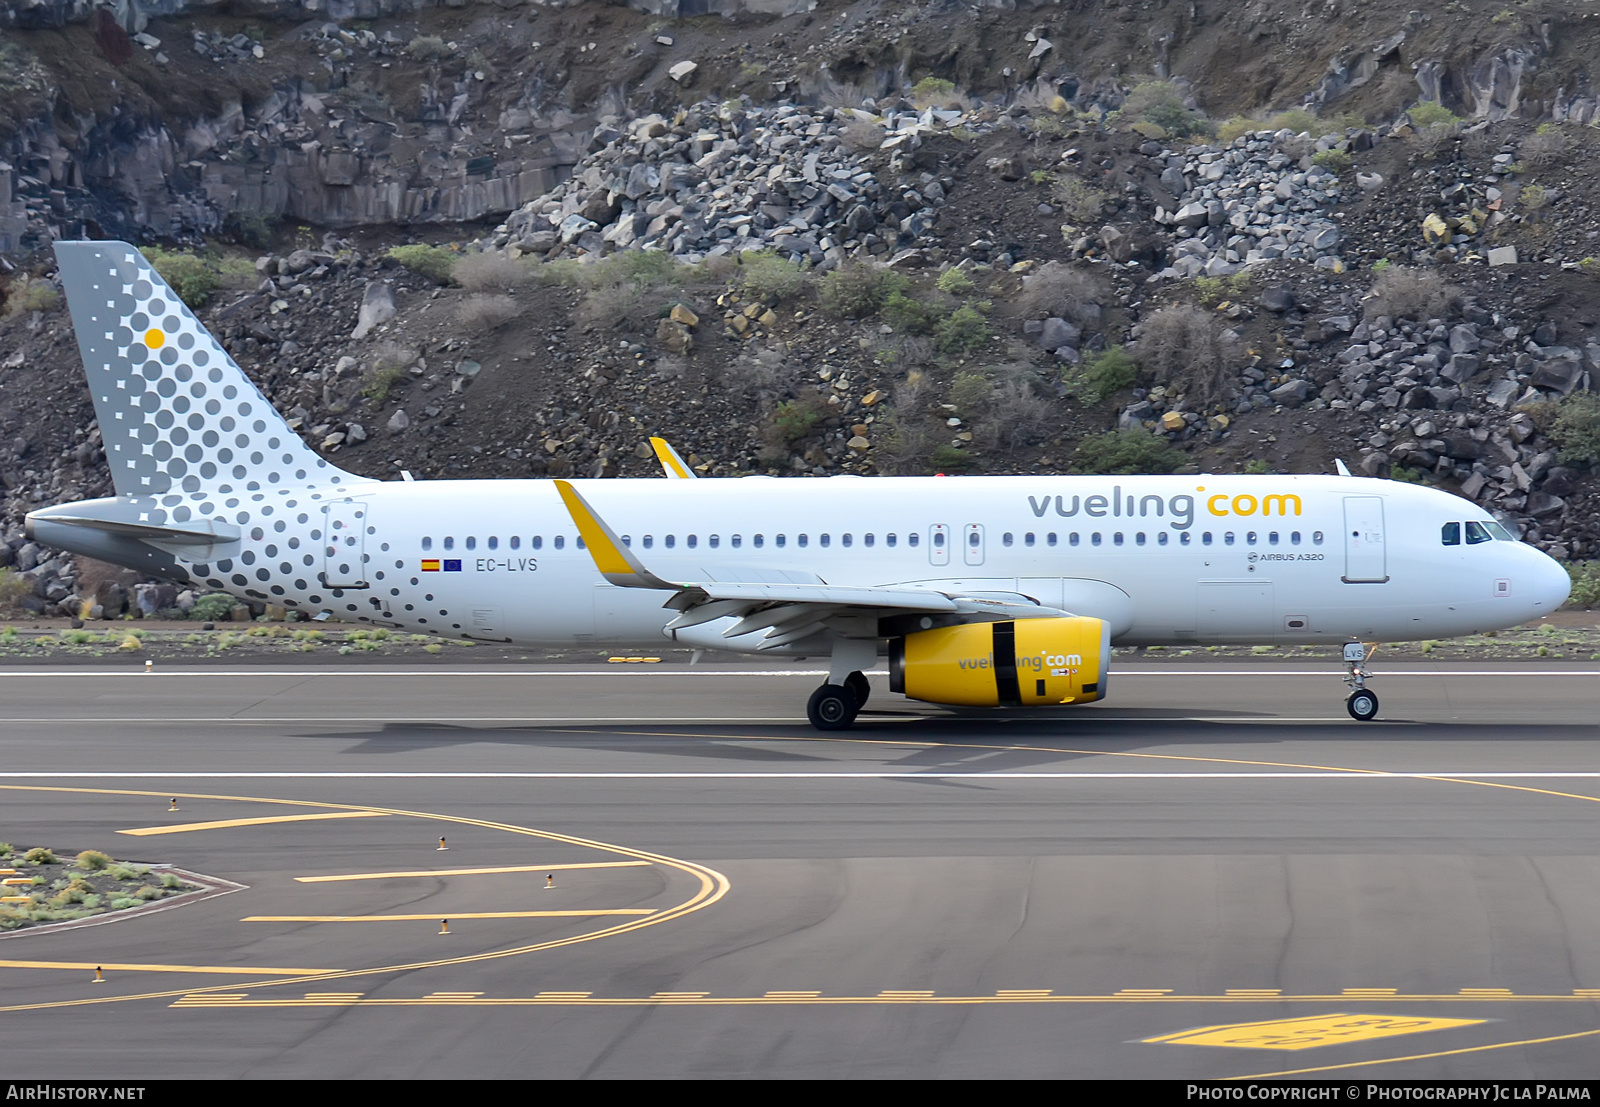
{"x": 1165, "y": 560}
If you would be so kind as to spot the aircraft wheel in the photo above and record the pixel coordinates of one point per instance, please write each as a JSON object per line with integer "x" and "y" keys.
{"x": 1362, "y": 705}
{"x": 832, "y": 707}
{"x": 860, "y": 687}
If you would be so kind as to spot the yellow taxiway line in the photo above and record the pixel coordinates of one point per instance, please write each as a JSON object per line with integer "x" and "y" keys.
{"x": 471, "y": 872}
{"x": 114, "y": 966}
{"x": 221, "y": 824}
{"x": 436, "y": 916}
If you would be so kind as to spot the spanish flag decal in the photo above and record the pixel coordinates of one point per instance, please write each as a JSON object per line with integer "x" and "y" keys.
{"x": 430, "y": 565}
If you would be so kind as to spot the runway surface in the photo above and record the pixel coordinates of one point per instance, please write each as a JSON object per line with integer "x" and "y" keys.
{"x": 656, "y": 871}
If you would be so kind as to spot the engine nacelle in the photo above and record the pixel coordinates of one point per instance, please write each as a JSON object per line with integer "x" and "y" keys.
{"x": 1030, "y": 662}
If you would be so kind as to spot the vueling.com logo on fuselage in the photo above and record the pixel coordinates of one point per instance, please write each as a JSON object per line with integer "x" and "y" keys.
{"x": 1179, "y": 508}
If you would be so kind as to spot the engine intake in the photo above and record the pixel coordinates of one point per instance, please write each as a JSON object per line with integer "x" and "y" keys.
{"x": 1026, "y": 663}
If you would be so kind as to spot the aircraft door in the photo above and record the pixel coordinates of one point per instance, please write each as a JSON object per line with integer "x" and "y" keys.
{"x": 939, "y": 544}
{"x": 972, "y": 543}
{"x": 344, "y": 544}
{"x": 1365, "y": 561}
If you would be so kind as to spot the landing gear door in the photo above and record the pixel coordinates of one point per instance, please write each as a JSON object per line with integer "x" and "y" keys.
{"x": 344, "y": 544}
{"x": 1365, "y": 561}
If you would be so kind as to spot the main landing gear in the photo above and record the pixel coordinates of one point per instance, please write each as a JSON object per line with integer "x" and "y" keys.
{"x": 1363, "y": 701}
{"x": 834, "y": 706}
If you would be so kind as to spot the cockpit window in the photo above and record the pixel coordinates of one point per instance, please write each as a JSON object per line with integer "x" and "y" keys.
{"x": 1477, "y": 532}
{"x": 1501, "y": 533}
{"x": 1450, "y": 534}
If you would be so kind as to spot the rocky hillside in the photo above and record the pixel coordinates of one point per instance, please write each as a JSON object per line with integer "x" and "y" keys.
{"x": 813, "y": 238}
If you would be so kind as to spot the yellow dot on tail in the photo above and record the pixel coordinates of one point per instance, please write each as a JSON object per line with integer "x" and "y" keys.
{"x": 154, "y": 339}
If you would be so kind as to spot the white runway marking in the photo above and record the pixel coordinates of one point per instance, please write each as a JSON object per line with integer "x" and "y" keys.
{"x": 843, "y": 774}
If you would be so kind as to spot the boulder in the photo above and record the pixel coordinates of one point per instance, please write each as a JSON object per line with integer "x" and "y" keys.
{"x": 377, "y": 307}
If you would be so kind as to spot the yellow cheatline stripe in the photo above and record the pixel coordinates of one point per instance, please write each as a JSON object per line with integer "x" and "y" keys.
{"x": 669, "y": 458}
{"x": 472, "y": 872}
{"x": 111, "y": 966}
{"x": 712, "y": 887}
{"x": 437, "y": 915}
{"x": 220, "y": 824}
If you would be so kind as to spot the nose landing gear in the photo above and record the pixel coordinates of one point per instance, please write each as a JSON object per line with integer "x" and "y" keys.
{"x": 1363, "y": 702}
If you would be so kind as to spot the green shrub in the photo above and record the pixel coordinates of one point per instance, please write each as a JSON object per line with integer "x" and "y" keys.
{"x": 1577, "y": 428}
{"x": 859, "y": 289}
{"x": 1585, "y": 584}
{"x": 1431, "y": 113}
{"x": 249, "y": 228}
{"x": 39, "y": 855}
{"x": 794, "y": 419}
{"x": 27, "y": 295}
{"x": 1255, "y": 467}
{"x": 766, "y": 276}
{"x": 1161, "y": 103}
{"x": 971, "y": 393}
{"x": 963, "y": 331}
{"x": 955, "y": 282}
{"x": 1334, "y": 161}
{"x": 1109, "y": 371}
{"x": 169, "y": 880}
{"x": 912, "y": 316}
{"x": 122, "y": 903}
{"x": 1077, "y": 200}
{"x": 12, "y": 588}
{"x": 426, "y": 48}
{"x": 92, "y": 859}
{"x": 951, "y": 459}
{"x": 1126, "y": 452}
{"x": 5, "y": 850}
{"x": 214, "y": 608}
{"x": 433, "y": 262}
{"x": 189, "y": 276}
{"x": 932, "y": 92}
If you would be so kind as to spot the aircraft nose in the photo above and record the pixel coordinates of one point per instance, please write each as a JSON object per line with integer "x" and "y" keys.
{"x": 1550, "y": 583}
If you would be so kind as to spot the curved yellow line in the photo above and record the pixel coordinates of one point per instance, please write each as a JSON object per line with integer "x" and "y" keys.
{"x": 713, "y": 886}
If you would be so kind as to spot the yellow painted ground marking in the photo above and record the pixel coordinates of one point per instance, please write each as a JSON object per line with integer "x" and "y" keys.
{"x": 1485, "y": 991}
{"x": 335, "y": 995}
{"x": 902, "y": 993}
{"x": 435, "y": 916}
{"x": 453, "y": 995}
{"x": 14, "y": 899}
{"x": 221, "y": 824}
{"x": 209, "y": 996}
{"x": 1426, "y": 1056}
{"x": 1022, "y": 993}
{"x": 563, "y": 995}
{"x": 16, "y": 881}
{"x": 792, "y": 995}
{"x": 1587, "y": 992}
{"x": 712, "y": 887}
{"x": 1137, "y": 992}
{"x": 680, "y": 995}
{"x": 1309, "y": 1033}
{"x": 1369, "y": 993}
{"x": 90, "y": 966}
{"x": 1254, "y": 992}
{"x": 471, "y": 872}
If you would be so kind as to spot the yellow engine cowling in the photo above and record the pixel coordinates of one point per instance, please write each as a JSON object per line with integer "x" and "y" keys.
{"x": 1027, "y": 663}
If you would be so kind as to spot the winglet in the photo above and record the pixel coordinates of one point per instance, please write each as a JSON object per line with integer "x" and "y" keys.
{"x": 614, "y": 560}
{"x": 1340, "y": 467}
{"x": 673, "y": 465}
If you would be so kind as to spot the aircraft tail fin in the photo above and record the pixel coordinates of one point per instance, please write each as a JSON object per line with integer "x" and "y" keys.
{"x": 177, "y": 414}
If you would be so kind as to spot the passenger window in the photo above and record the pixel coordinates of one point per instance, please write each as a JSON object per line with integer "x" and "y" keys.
{"x": 938, "y": 540}
{"x": 1450, "y": 534}
{"x": 889, "y": 539}
{"x": 472, "y": 542}
{"x": 1094, "y": 539}
{"x": 736, "y": 541}
{"x": 866, "y": 540}
{"x": 780, "y": 541}
{"x": 758, "y": 540}
{"x": 538, "y": 542}
{"x": 1205, "y": 539}
{"x": 671, "y": 541}
{"x": 1050, "y": 539}
{"x": 516, "y": 542}
{"x": 844, "y": 540}
{"x": 449, "y": 542}
{"x": 1072, "y": 539}
{"x": 1162, "y": 538}
{"x": 1138, "y": 539}
{"x": 692, "y": 541}
{"x": 912, "y": 539}
{"x": 1116, "y": 539}
{"x": 800, "y": 540}
{"x": 627, "y": 540}
{"x": 579, "y": 540}
{"x": 560, "y": 541}
{"x": 1184, "y": 537}
{"x": 649, "y": 540}
{"x": 822, "y": 540}
{"x": 713, "y": 540}
{"x": 494, "y": 543}
{"x": 1316, "y": 538}
{"x": 1027, "y": 539}
{"x": 427, "y": 543}
{"x": 1294, "y": 538}
{"x": 1477, "y": 532}
{"x": 1272, "y": 538}
{"x": 1005, "y": 539}
{"x": 1250, "y": 538}
{"x": 1227, "y": 538}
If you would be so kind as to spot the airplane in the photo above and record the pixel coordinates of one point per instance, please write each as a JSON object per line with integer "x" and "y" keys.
{"x": 985, "y": 591}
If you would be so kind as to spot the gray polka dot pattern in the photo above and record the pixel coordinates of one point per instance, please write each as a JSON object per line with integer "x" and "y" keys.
{"x": 176, "y": 413}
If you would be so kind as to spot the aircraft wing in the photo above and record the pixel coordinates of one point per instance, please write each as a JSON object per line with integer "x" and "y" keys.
{"x": 788, "y": 609}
